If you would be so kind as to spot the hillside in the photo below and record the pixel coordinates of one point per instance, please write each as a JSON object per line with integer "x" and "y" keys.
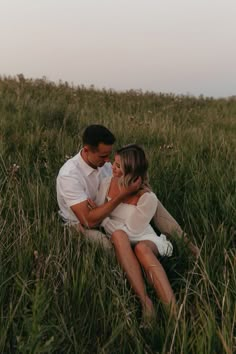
{"x": 60, "y": 294}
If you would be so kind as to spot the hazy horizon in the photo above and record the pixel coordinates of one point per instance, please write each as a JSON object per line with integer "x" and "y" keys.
{"x": 182, "y": 47}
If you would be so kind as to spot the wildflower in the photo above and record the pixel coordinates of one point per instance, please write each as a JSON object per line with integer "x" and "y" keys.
{"x": 67, "y": 157}
{"x": 166, "y": 147}
{"x": 15, "y": 168}
{"x": 36, "y": 255}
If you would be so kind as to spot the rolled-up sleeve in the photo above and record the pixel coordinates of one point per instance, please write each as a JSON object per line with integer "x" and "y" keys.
{"x": 71, "y": 190}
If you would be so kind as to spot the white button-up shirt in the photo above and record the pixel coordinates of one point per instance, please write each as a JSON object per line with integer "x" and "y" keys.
{"x": 76, "y": 182}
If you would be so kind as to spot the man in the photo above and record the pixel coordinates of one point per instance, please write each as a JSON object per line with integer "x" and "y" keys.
{"x": 78, "y": 181}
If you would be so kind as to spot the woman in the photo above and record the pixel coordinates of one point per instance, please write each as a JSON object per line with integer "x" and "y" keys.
{"x": 136, "y": 243}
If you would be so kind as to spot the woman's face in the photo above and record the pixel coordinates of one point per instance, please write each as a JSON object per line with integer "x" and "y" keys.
{"x": 116, "y": 168}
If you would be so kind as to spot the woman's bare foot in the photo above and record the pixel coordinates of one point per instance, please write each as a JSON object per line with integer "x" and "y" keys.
{"x": 171, "y": 309}
{"x": 148, "y": 311}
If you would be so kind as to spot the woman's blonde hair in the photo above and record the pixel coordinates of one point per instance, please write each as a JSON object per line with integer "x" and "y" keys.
{"x": 134, "y": 164}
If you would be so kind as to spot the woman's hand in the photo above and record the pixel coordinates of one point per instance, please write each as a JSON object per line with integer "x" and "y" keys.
{"x": 194, "y": 249}
{"x": 133, "y": 187}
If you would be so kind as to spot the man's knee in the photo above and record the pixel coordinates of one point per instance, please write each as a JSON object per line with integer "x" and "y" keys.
{"x": 97, "y": 237}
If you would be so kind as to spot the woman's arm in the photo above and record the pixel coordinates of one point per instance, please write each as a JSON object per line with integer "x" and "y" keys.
{"x": 142, "y": 213}
{"x": 165, "y": 222}
{"x": 137, "y": 219}
{"x": 91, "y": 217}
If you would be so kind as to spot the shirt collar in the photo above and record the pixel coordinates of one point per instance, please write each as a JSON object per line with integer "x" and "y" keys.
{"x": 88, "y": 170}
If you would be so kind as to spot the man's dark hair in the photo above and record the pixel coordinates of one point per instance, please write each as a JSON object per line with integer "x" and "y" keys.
{"x": 96, "y": 134}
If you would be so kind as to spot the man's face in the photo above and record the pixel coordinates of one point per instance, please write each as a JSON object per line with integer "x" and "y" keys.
{"x": 99, "y": 156}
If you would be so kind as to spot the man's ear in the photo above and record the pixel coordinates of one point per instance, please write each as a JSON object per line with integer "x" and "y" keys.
{"x": 86, "y": 149}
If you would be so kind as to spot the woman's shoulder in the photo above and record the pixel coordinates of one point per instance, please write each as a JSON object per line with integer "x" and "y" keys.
{"x": 113, "y": 187}
{"x": 102, "y": 189}
{"x": 105, "y": 184}
{"x": 143, "y": 197}
{"x": 105, "y": 181}
{"x": 147, "y": 196}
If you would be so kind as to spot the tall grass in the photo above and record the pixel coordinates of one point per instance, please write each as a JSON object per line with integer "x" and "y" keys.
{"x": 60, "y": 294}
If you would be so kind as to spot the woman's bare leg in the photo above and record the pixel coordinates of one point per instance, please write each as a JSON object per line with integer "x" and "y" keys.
{"x": 146, "y": 252}
{"x": 129, "y": 263}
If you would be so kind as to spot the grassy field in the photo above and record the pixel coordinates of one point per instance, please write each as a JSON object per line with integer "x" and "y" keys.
{"x": 59, "y": 294}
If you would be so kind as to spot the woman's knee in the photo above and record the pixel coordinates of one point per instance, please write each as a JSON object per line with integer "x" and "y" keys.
{"x": 118, "y": 237}
{"x": 142, "y": 249}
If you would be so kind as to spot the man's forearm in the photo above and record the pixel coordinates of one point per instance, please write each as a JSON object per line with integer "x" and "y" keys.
{"x": 91, "y": 215}
{"x": 97, "y": 214}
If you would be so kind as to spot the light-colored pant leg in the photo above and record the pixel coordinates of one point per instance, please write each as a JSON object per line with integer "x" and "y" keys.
{"x": 95, "y": 236}
{"x": 165, "y": 222}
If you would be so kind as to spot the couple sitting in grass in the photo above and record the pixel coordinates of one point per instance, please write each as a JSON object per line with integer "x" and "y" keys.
{"x": 113, "y": 205}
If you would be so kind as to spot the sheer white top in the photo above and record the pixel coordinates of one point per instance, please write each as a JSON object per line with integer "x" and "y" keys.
{"x": 134, "y": 219}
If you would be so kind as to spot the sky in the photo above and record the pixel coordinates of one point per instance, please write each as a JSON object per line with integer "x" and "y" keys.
{"x": 185, "y": 47}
